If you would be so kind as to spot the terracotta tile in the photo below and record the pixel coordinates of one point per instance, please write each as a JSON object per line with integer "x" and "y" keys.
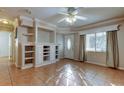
{"x": 63, "y": 73}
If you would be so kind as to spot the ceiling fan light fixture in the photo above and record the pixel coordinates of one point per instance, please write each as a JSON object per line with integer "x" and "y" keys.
{"x": 71, "y": 19}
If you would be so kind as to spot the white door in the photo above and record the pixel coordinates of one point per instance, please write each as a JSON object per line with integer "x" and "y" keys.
{"x": 69, "y": 46}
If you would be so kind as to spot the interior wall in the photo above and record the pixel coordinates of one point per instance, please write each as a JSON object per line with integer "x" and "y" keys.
{"x": 5, "y": 44}
{"x": 60, "y": 42}
{"x": 100, "y": 58}
{"x": 96, "y": 58}
{"x": 43, "y": 37}
{"x": 121, "y": 45}
{"x": 76, "y": 46}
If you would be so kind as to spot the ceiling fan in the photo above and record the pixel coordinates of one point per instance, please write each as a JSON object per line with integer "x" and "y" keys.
{"x": 71, "y": 15}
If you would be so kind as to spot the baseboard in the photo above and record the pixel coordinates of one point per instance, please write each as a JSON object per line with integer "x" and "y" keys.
{"x": 95, "y": 63}
{"x": 121, "y": 68}
{"x": 76, "y": 59}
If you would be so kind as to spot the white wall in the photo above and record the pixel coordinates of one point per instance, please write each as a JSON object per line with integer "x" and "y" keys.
{"x": 60, "y": 42}
{"x": 96, "y": 58}
{"x": 4, "y": 43}
{"x": 43, "y": 37}
{"x": 121, "y": 45}
{"x": 76, "y": 44}
{"x": 100, "y": 58}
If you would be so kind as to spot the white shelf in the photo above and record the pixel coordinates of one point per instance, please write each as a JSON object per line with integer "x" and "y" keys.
{"x": 46, "y": 55}
{"x": 29, "y": 58}
{"x": 30, "y": 44}
{"x": 29, "y": 51}
{"x": 46, "y": 48}
{"x": 46, "y": 52}
{"x": 29, "y": 34}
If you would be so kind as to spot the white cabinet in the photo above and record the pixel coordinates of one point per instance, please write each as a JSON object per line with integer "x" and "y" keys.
{"x": 52, "y": 53}
{"x": 38, "y": 55}
{"x": 45, "y": 54}
{"x": 35, "y": 43}
{"x": 28, "y": 55}
{"x": 26, "y": 21}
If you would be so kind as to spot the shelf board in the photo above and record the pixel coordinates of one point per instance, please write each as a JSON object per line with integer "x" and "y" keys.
{"x": 29, "y": 34}
{"x": 29, "y": 51}
{"x": 46, "y": 55}
{"x": 29, "y": 58}
{"x": 46, "y": 49}
{"x": 30, "y": 44}
{"x": 46, "y": 52}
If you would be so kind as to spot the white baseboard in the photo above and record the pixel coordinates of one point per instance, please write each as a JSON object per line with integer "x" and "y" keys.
{"x": 121, "y": 68}
{"x": 76, "y": 59}
{"x": 96, "y": 63}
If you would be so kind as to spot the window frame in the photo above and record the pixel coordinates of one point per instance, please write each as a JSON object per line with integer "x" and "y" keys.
{"x": 95, "y": 34}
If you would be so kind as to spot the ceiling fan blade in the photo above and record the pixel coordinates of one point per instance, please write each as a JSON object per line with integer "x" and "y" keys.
{"x": 61, "y": 20}
{"x": 81, "y": 17}
{"x": 62, "y": 13}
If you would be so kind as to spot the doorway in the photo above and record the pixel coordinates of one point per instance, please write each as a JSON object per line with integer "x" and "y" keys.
{"x": 69, "y": 46}
{"x": 5, "y": 45}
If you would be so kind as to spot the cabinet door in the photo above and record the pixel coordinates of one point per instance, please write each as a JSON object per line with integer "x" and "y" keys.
{"x": 25, "y": 21}
{"x": 39, "y": 55}
{"x": 52, "y": 52}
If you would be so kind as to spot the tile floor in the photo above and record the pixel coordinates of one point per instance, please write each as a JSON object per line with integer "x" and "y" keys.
{"x": 63, "y": 73}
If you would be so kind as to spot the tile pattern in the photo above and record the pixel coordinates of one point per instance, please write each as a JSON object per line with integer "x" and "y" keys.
{"x": 63, "y": 73}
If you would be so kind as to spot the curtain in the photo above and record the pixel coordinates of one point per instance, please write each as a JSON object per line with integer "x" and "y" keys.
{"x": 112, "y": 53}
{"x": 82, "y": 53}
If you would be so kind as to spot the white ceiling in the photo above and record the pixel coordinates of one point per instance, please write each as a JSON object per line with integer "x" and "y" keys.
{"x": 50, "y": 14}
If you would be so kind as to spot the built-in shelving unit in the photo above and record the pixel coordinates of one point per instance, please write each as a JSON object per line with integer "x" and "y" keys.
{"x": 29, "y": 55}
{"x": 36, "y": 43}
{"x": 46, "y": 53}
{"x": 29, "y": 34}
{"x": 57, "y": 52}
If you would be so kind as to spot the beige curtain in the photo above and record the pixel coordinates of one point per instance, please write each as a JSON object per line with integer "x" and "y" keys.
{"x": 82, "y": 53}
{"x": 112, "y": 58}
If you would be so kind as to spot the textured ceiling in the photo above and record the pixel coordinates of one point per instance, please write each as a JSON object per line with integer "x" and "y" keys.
{"x": 50, "y": 14}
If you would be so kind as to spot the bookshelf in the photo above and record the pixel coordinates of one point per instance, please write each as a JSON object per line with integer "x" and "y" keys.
{"x": 28, "y": 55}
{"x": 56, "y": 52}
{"x": 46, "y": 53}
{"x": 36, "y": 44}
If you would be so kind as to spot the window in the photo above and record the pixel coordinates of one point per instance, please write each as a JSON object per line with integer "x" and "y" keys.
{"x": 90, "y": 42}
{"x": 96, "y": 42}
{"x": 101, "y": 41}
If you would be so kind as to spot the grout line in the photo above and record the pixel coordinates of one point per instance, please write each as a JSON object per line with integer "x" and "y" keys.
{"x": 9, "y": 73}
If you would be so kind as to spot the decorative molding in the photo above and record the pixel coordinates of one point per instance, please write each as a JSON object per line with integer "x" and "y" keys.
{"x": 98, "y": 24}
{"x": 65, "y": 31}
{"x": 121, "y": 68}
{"x": 96, "y": 63}
{"x": 44, "y": 24}
{"x": 100, "y": 29}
